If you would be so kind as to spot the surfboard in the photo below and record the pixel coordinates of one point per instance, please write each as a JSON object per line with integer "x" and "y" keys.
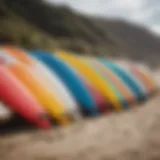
{"x": 92, "y": 77}
{"x": 72, "y": 81}
{"x": 20, "y": 100}
{"x": 113, "y": 87}
{"x": 44, "y": 96}
{"x": 5, "y": 113}
{"x": 127, "y": 78}
{"x": 49, "y": 78}
{"x": 115, "y": 80}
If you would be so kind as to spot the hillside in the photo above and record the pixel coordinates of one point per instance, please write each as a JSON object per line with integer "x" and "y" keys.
{"x": 49, "y": 26}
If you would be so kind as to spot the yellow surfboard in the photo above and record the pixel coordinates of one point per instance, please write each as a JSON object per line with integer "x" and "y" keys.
{"x": 92, "y": 77}
{"x": 44, "y": 96}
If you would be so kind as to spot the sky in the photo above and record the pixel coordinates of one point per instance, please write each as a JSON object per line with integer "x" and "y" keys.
{"x": 144, "y": 12}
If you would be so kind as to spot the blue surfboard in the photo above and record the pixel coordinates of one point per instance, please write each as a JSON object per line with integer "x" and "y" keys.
{"x": 70, "y": 79}
{"x": 127, "y": 78}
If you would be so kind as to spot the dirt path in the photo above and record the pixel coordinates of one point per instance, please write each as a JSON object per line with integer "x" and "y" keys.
{"x": 130, "y": 135}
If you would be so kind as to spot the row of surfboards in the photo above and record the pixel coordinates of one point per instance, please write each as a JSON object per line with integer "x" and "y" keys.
{"x": 64, "y": 86}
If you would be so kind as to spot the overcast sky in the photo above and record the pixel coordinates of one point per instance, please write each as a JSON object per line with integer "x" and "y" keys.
{"x": 146, "y": 12}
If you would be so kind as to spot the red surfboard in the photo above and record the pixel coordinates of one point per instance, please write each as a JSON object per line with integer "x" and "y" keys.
{"x": 20, "y": 100}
